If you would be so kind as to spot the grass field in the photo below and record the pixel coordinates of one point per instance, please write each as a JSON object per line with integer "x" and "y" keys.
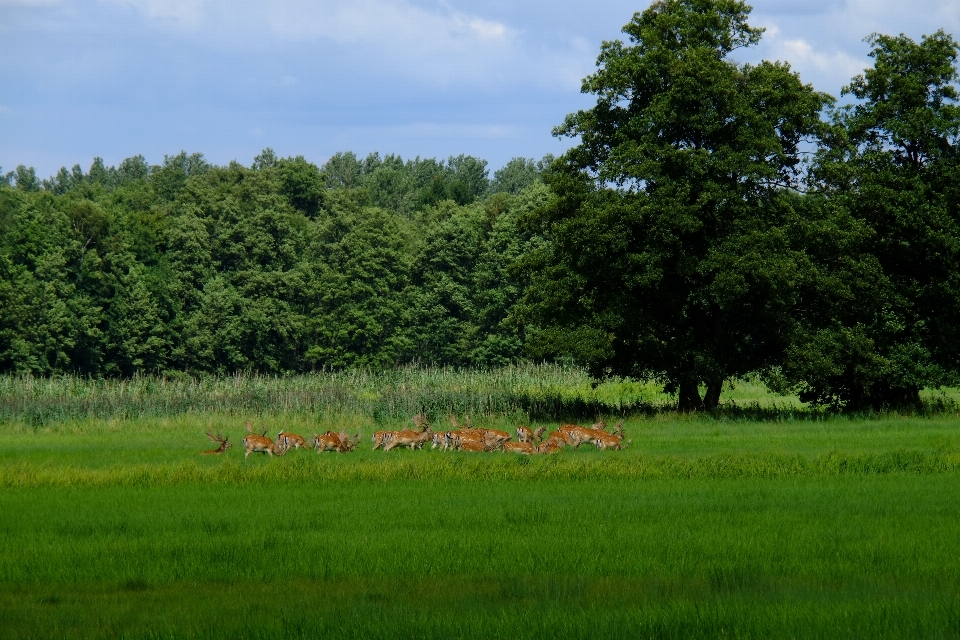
{"x": 793, "y": 524}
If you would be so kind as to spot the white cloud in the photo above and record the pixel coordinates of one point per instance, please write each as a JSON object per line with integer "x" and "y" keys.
{"x": 428, "y": 42}
{"x": 833, "y": 63}
{"x": 825, "y": 42}
{"x": 487, "y": 30}
{"x": 396, "y": 25}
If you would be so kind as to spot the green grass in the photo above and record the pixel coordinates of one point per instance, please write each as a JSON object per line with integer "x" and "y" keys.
{"x": 772, "y": 522}
{"x": 152, "y": 452}
{"x": 863, "y": 556}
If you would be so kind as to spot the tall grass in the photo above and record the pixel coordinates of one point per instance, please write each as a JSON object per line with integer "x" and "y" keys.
{"x": 528, "y": 390}
{"x": 522, "y": 392}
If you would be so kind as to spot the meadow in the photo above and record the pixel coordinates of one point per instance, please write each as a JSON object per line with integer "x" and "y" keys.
{"x": 764, "y": 520}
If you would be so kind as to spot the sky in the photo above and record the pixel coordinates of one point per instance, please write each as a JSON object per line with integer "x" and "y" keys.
{"x": 428, "y": 78}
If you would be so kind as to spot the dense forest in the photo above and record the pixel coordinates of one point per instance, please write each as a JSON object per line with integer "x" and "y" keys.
{"x": 280, "y": 267}
{"x": 713, "y": 219}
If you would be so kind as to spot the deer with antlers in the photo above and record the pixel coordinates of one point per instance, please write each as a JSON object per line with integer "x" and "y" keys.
{"x": 409, "y": 437}
{"x": 224, "y": 444}
{"x": 259, "y": 443}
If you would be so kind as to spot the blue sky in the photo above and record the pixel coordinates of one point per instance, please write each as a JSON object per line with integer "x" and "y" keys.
{"x": 434, "y": 78}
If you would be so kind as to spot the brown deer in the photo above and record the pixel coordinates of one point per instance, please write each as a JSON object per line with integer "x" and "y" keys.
{"x": 330, "y": 441}
{"x": 558, "y": 437}
{"x": 526, "y": 448}
{"x": 473, "y": 440}
{"x": 444, "y": 440}
{"x": 618, "y": 429}
{"x": 291, "y": 440}
{"x": 611, "y": 441}
{"x": 414, "y": 439}
{"x": 471, "y": 444}
{"x": 525, "y": 434}
{"x": 224, "y": 445}
{"x": 550, "y": 446}
{"x": 409, "y": 438}
{"x": 349, "y": 443}
{"x": 493, "y": 437}
{"x": 380, "y": 438}
{"x": 259, "y": 443}
{"x": 496, "y": 436}
{"x": 577, "y": 434}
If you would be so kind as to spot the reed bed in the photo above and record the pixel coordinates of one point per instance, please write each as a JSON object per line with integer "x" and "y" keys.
{"x": 522, "y": 390}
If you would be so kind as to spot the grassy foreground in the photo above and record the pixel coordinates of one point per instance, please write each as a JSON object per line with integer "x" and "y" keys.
{"x": 801, "y": 525}
{"x": 860, "y": 556}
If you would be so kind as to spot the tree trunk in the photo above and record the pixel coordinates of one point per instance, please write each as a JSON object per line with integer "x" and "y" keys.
{"x": 712, "y": 400}
{"x": 689, "y": 399}
{"x": 883, "y": 396}
{"x": 891, "y": 397}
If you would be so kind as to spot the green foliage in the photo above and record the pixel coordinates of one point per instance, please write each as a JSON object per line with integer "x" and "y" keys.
{"x": 172, "y": 176}
{"x": 302, "y": 184}
{"x": 25, "y": 178}
{"x": 669, "y": 248}
{"x": 48, "y": 322}
{"x": 518, "y": 174}
{"x": 282, "y": 267}
{"x": 357, "y": 288}
{"x": 393, "y": 394}
{"x": 890, "y": 166}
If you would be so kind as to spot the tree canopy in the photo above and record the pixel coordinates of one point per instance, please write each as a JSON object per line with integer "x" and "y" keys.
{"x": 890, "y": 163}
{"x": 669, "y": 247}
{"x": 278, "y": 267}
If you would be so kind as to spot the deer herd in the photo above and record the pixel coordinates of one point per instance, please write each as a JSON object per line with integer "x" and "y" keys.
{"x": 463, "y": 437}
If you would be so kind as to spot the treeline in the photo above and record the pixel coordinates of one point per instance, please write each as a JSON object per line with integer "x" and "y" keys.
{"x": 714, "y": 219}
{"x": 278, "y": 267}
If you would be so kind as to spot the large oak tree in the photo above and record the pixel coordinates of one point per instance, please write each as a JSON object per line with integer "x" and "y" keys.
{"x": 670, "y": 250}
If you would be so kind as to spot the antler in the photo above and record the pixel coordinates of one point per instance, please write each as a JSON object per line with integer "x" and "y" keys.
{"x": 453, "y": 421}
